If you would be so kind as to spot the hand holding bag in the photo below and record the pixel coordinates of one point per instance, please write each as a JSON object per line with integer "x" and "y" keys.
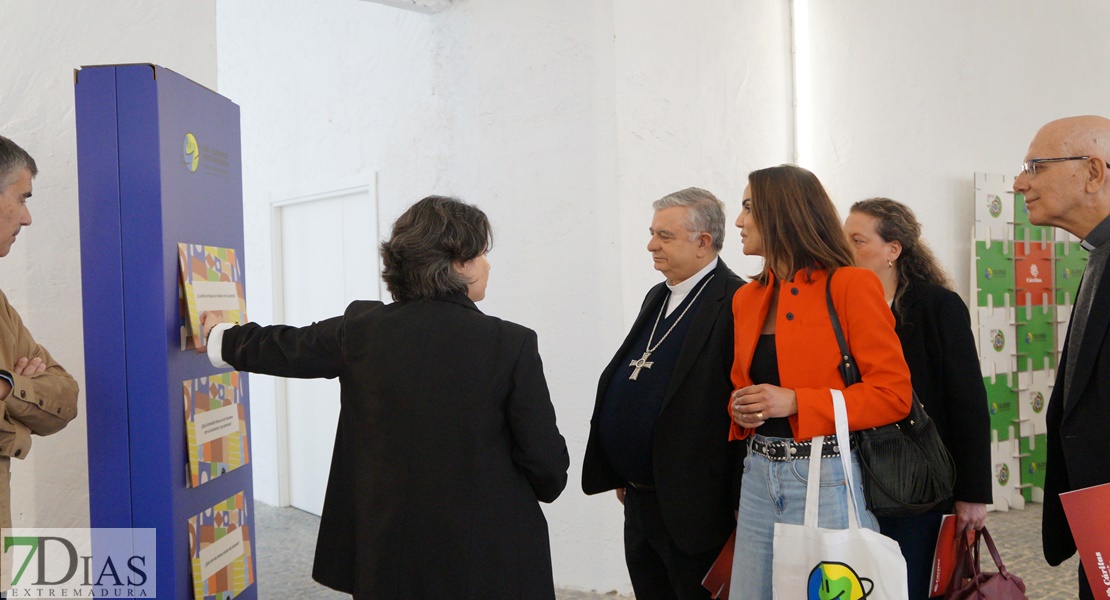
{"x": 969, "y": 583}
{"x": 907, "y": 469}
{"x": 852, "y": 563}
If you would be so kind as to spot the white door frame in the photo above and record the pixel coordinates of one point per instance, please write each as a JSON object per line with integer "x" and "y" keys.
{"x": 361, "y": 184}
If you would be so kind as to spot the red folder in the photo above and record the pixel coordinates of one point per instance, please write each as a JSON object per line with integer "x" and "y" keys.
{"x": 944, "y": 557}
{"x": 719, "y": 575}
{"x": 1090, "y": 526}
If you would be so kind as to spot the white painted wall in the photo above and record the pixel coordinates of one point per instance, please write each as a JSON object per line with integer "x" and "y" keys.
{"x": 911, "y": 98}
{"x": 531, "y": 93}
{"x": 562, "y": 120}
{"x": 703, "y": 97}
{"x": 42, "y": 42}
{"x": 327, "y": 99}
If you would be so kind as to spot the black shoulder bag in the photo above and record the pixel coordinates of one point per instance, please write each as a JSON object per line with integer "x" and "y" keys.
{"x": 907, "y": 470}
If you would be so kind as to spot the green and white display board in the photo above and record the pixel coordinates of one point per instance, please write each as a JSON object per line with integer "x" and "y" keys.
{"x": 1024, "y": 279}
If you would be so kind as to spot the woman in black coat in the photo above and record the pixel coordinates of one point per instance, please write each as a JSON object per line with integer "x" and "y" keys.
{"x": 447, "y": 439}
{"x": 933, "y": 324}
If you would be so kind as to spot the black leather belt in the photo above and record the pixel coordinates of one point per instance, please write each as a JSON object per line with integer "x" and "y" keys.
{"x": 781, "y": 450}
{"x": 640, "y": 487}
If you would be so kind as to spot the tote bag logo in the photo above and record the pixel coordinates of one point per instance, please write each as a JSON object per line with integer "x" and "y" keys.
{"x": 190, "y": 154}
{"x": 833, "y": 580}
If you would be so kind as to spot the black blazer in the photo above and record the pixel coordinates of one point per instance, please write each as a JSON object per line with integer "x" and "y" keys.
{"x": 697, "y": 470}
{"x": 934, "y": 327}
{"x": 446, "y": 441}
{"x": 1078, "y": 432}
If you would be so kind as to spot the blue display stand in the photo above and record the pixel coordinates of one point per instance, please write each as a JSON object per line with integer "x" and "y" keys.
{"x": 143, "y": 190}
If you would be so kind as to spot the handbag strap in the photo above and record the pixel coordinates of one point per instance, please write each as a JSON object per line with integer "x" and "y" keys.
{"x": 813, "y": 481}
{"x": 846, "y": 359}
{"x": 993, "y": 550}
{"x": 967, "y": 563}
{"x": 840, "y": 415}
{"x": 967, "y": 566}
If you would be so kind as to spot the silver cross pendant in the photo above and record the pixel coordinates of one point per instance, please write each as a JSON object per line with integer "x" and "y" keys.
{"x": 642, "y": 363}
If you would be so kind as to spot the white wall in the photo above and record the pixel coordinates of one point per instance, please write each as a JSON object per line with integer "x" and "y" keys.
{"x": 911, "y": 98}
{"x": 531, "y": 89}
{"x": 563, "y": 121}
{"x": 703, "y": 97}
{"x": 43, "y": 41}
{"x": 327, "y": 97}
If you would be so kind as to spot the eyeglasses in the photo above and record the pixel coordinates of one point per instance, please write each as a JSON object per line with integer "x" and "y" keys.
{"x": 1029, "y": 167}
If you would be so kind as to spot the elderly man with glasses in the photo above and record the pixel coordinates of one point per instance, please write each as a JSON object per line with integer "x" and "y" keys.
{"x": 1066, "y": 182}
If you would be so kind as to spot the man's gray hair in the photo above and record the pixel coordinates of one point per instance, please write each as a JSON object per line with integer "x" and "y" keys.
{"x": 13, "y": 159}
{"x": 706, "y": 213}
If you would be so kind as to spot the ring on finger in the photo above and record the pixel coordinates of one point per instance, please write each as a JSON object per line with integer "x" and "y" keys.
{"x": 759, "y": 416}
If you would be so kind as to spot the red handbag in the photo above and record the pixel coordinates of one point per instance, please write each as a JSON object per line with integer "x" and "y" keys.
{"x": 970, "y": 583}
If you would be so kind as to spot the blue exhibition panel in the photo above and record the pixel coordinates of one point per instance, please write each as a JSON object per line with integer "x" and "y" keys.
{"x": 143, "y": 190}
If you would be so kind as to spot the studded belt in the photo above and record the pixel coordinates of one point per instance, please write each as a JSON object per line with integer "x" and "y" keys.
{"x": 782, "y": 450}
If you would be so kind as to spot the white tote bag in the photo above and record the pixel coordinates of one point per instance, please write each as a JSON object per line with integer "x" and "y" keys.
{"x": 811, "y": 563}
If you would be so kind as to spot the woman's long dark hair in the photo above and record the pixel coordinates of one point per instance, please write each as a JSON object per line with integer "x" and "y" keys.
{"x": 798, "y": 223}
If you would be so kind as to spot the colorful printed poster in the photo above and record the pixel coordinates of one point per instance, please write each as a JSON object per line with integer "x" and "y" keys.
{"x": 1002, "y": 404}
{"x": 215, "y": 426}
{"x": 1033, "y": 273}
{"x": 994, "y": 275}
{"x": 1036, "y": 338}
{"x": 211, "y": 280}
{"x": 220, "y": 550}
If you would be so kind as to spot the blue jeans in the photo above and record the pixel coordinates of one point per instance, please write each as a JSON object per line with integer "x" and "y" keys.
{"x": 775, "y": 492}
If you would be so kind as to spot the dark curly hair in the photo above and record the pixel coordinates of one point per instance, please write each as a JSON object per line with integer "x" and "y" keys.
{"x": 916, "y": 263}
{"x": 427, "y": 241}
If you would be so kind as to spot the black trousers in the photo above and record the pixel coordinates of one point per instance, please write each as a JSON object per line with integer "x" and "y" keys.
{"x": 658, "y": 568}
{"x": 1085, "y": 592}
{"x": 917, "y": 537}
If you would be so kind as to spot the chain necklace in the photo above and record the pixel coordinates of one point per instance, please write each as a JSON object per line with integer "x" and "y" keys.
{"x": 643, "y": 363}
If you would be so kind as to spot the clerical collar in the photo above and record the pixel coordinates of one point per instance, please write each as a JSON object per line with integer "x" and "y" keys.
{"x": 680, "y": 290}
{"x": 1098, "y": 236}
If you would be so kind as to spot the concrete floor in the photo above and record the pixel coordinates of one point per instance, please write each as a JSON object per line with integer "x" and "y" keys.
{"x": 286, "y": 539}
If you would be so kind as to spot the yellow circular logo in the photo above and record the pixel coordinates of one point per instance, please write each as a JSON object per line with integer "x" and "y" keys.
{"x": 190, "y": 155}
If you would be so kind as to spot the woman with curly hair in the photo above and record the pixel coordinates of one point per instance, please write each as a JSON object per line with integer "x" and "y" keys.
{"x": 934, "y": 328}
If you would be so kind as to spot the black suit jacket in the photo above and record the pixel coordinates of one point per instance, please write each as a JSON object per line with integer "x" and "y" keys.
{"x": 697, "y": 470}
{"x": 1079, "y": 431}
{"x": 935, "y": 330}
{"x": 446, "y": 443}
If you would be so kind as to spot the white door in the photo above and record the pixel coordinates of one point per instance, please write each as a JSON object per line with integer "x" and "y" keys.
{"x": 328, "y": 257}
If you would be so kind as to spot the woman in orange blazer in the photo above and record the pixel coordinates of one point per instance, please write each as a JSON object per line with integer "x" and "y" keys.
{"x": 786, "y": 359}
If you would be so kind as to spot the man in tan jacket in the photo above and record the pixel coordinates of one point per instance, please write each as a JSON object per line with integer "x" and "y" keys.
{"x": 36, "y": 394}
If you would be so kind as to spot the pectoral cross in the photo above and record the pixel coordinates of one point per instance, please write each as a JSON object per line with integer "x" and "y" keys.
{"x": 640, "y": 364}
